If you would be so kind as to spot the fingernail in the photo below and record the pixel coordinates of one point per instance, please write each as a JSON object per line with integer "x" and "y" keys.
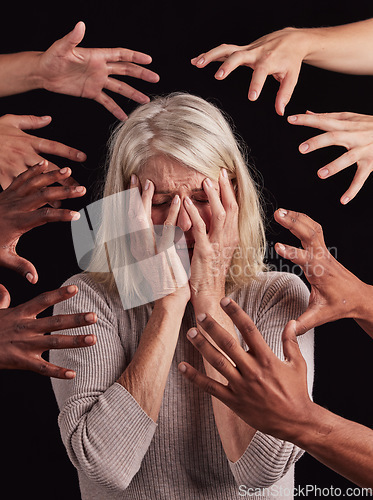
{"x": 71, "y": 289}
{"x": 208, "y": 182}
{"x": 252, "y": 95}
{"x": 90, "y": 317}
{"x": 81, "y": 156}
{"x": 304, "y": 147}
{"x": 201, "y": 317}
{"x": 29, "y": 277}
{"x": 323, "y": 172}
{"x": 345, "y": 200}
{"x": 188, "y": 201}
{"x": 282, "y": 108}
{"x": 89, "y": 340}
{"x": 192, "y": 333}
{"x": 281, "y": 246}
{"x": 224, "y": 173}
{"x": 75, "y": 215}
{"x": 282, "y": 212}
{"x": 292, "y": 119}
{"x": 63, "y": 170}
{"x": 182, "y": 367}
{"x": 45, "y": 118}
{"x": 219, "y": 74}
{"x": 69, "y": 374}
{"x": 80, "y": 189}
{"x": 133, "y": 179}
{"x": 176, "y": 200}
{"x": 147, "y": 184}
{"x": 201, "y": 61}
{"x": 225, "y": 301}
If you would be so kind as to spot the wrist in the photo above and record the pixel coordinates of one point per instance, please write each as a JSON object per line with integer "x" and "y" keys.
{"x": 33, "y": 76}
{"x": 308, "y": 431}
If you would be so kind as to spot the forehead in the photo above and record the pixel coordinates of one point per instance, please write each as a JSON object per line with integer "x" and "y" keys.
{"x": 166, "y": 172}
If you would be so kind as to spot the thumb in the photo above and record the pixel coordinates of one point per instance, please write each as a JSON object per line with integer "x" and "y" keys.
{"x": 290, "y": 342}
{"x": 21, "y": 266}
{"x": 4, "y": 297}
{"x": 73, "y": 38}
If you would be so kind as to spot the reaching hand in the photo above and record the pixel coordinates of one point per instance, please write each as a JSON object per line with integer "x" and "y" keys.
{"x": 335, "y": 292}
{"x": 20, "y": 150}
{"x": 279, "y": 54}
{"x": 351, "y": 130}
{"x": 22, "y": 207}
{"x": 22, "y": 339}
{"x": 68, "y": 69}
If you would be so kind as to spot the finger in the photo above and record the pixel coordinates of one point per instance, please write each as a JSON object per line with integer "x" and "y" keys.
{"x": 219, "y": 53}
{"x": 119, "y": 54}
{"x": 64, "y": 180}
{"x": 246, "y": 326}
{"x": 227, "y": 343}
{"x": 291, "y": 348}
{"x": 133, "y": 70}
{"x": 339, "y": 164}
{"x": 296, "y": 255}
{"x": 310, "y": 319}
{"x": 257, "y": 82}
{"x": 111, "y": 106}
{"x": 303, "y": 227}
{"x": 48, "y": 369}
{"x": 218, "y": 214}
{"x": 72, "y": 39}
{"x": 51, "y": 195}
{"x": 58, "y": 149}
{"x": 169, "y": 226}
{"x": 47, "y": 299}
{"x": 4, "y": 297}
{"x": 285, "y": 91}
{"x": 322, "y": 122}
{"x": 21, "y": 266}
{"x": 205, "y": 383}
{"x": 61, "y": 322}
{"x": 357, "y": 183}
{"x": 26, "y": 175}
{"x": 31, "y": 122}
{"x": 234, "y": 60}
{"x": 323, "y": 141}
{"x": 228, "y": 197}
{"x": 198, "y": 224}
{"x": 126, "y": 90}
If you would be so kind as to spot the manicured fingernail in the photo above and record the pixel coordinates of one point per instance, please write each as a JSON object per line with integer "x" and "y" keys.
{"x": 71, "y": 289}
{"x": 345, "y": 200}
{"x": 219, "y": 74}
{"x": 81, "y": 156}
{"x": 29, "y": 277}
{"x": 63, "y": 170}
{"x": 176, "y": 200}
{"x": 147, "y": 184}
{"x": 133, "y": 179}
{"x": 225, "y": 301}
{"x": 208, "y": 182}
{"x": 45, "y": 118}
{"x": 224, "y": 173}
{"x": 75, "y": 215}
{"x": 292, "y": 119}
{"x": 323, "y": 172}
{"x": 89, "y": 340}
{"x": 90, "y": 317}
{"x": 252, "y": 95}
{"x": 188, "y": 201}
{"x": 304, "y": 147}
{"x": 282, "y": 212}
{"x": 281, "y": 246}
{"x": 192, "y": 333}
{"x": 70, "y": 374}
{"x": 80, "y": 189}
{"x": 281, "y": 108}
{"x": 182, "y": 367}
{"x": 200, "y": 61}
{"x": 201, "y": 317}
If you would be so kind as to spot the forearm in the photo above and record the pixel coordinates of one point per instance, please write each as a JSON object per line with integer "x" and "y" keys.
{"x": 19, "y": 73}
{"x": 344, "y": 446}
{"x": 346, "y": 48}
{"x": 234, "y": 433}
{"x": 365, "y": 313}
{"x": 146, "y": 375}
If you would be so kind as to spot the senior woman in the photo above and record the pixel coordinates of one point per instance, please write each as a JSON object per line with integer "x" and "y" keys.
{"x": 131, "y": 425}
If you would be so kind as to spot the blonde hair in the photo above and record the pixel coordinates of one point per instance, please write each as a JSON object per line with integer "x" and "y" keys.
{"x": 195, "y": 133}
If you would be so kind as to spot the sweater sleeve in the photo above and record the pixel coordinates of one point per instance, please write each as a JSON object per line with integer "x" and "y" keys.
{"x": 267, "y": 459}
{"x": 105, "y": 431}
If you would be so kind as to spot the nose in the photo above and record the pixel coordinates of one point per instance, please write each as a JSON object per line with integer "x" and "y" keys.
{"x": 183, "y": 219}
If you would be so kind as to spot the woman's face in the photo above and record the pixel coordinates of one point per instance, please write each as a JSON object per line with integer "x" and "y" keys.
{"x": 171, "y": 178}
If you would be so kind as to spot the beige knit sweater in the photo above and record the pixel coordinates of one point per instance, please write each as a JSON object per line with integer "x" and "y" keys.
{"x": 120, "y": 453}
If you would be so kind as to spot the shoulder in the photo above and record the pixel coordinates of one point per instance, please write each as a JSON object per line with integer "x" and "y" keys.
{"x": 270, "y": 288}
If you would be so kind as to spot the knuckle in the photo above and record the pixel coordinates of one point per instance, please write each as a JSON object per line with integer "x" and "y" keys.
{"x": 228, "y": 343}
{"x": 220, "y": 362}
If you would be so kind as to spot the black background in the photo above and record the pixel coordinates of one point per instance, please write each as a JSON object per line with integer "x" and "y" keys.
{"x": 33, "y": 457}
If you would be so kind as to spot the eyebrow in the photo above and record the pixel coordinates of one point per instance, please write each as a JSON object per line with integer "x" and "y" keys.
{"x": 195, "y": 190}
